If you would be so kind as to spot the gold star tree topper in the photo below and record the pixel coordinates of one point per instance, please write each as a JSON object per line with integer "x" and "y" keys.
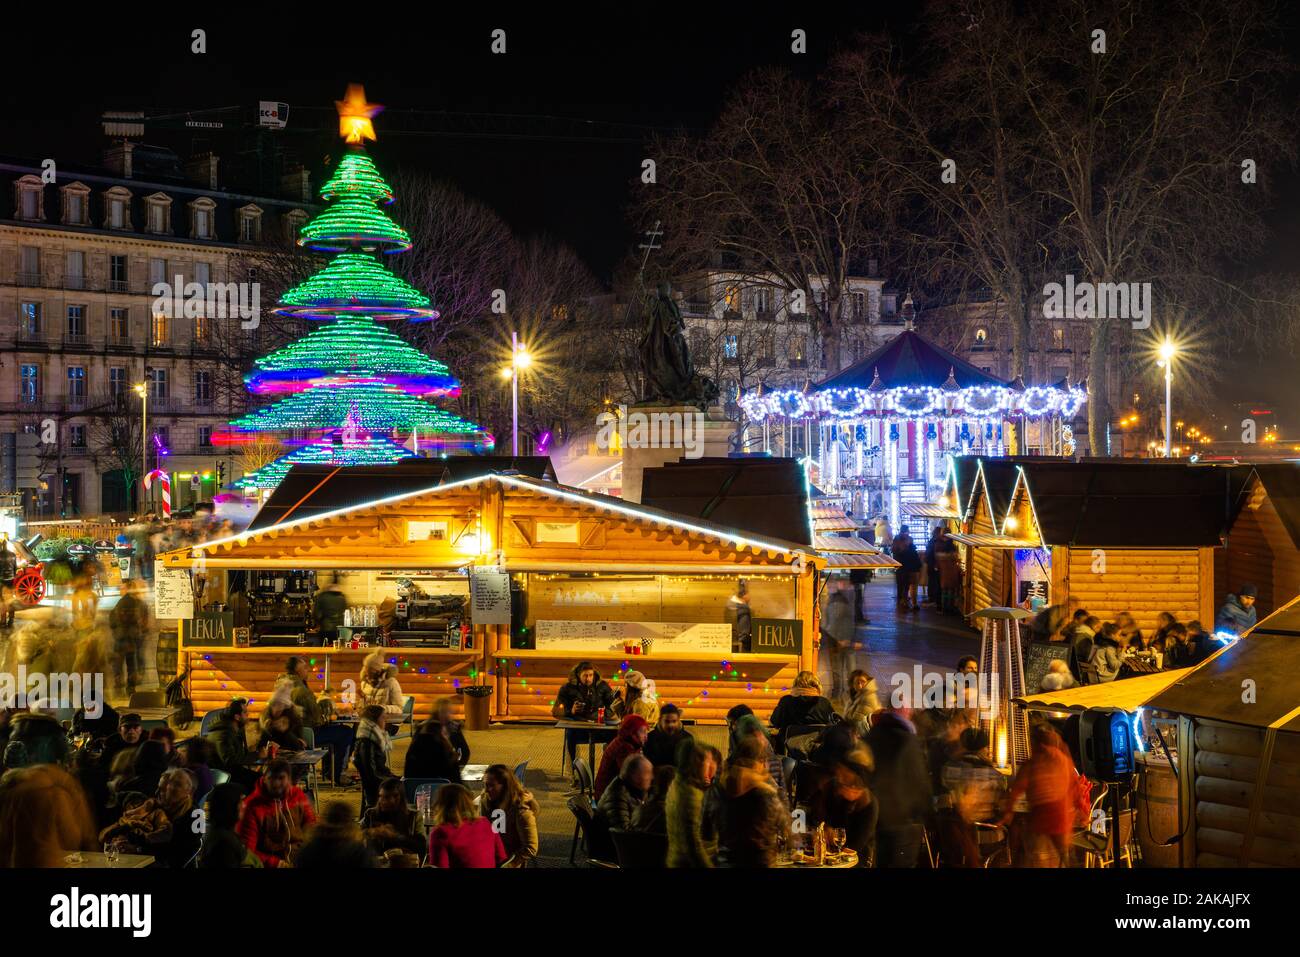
{"x": 355, "y": 115}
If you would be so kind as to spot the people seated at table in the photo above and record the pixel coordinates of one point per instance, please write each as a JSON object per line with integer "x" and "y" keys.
{"x": 162, "y": 825}
{"x": 972, "y": 795}
{"x": 832, "y": 788}
{"x": 281, "y": 722}
{"x": 641, "y": 697}
{"x": 651, "y": 816}
{"x": 1058, "y": 677}
{"x": 1202, "y": 643}
{"x": 222, "y": 848}
{"x": 626, "y": 793}
{"x": 460, "y": 838}
{"x": 453, "y": 729}
{"x": 276, "y": 816}
{"x": 803, "y": 706}
{"x": 1107, "y": 653}
{"x": 391, "y": 823}
{"x": 1070, "y": 627}
{"x": 371, "y": 750}
{"x": 130, "y": 732}
{"x": 864, "y": 700}
{"x": 44, "y": 816}
{"x": 1160, "y": 637}
{"x": 36, "y": 738}
{"x": 334, "y": 843}
{"x": 753, "y": 820}
{"x": 631, "y": 738}
{"x": 692, "y": 840}
{"x": 168, "y": 738}
{"x": 1238, "y": 613}
{"x": 99, "y": 728}
{"x": 1047, "y": 782}
{"x": 431, "y": 754}
{"x": 900, "y": 784}
{"x": 668, "y": 735}
{"x": 196, "y": 757}
{"x": 1180, "y": 651}
{"x": 751, "y": 727}
{"x": 504, "y": 798}
{"x": 378, "y": 686}
{"x": 294, "y": 680}
{"x": 1128, "y": 635}
{"x": 230, "y": 745}
{"x": 580, "y": 698}
{"x": 1083, "y": 639}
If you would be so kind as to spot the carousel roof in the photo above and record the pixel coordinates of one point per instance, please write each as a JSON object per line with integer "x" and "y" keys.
{"x": 909, "y": 359}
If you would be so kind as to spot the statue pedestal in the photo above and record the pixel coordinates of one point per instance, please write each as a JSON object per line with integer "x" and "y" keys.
{"x": 659, "y": 434}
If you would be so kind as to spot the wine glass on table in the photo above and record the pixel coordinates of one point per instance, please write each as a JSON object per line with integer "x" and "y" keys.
{"x": 836, "y": 838}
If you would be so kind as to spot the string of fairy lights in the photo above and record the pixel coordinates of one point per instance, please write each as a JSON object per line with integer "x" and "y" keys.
{"x": 914, "y": 402}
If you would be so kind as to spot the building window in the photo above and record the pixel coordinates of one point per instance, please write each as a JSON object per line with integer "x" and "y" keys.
{"x": 157, "y": 273}
{"x": 74, "y": 270}
{"x": 77, "y": 436}
{"x": 202, "y": 331}
{"x": 117, "y": 208}
{"x": 163, "y": 435}
{"x": 293, "y": 223}
{"x": 30, "y": 383}
{"x": 159, "y": 331}
{"x": 202, "y": 388}
{"x": 76, "y": 329}
{"x": 205, "y": 436}
{"x": 859, "y": 305}
{"x": 250, "y": 224}
{"x": 76, "y": 385}
{"x": 119, "y": 325}
{"x": 763, "y": 301}
{"x": 159, "y": 207}
{"x": 118, "y": 273}
{"x": 116, "y": 383}
{"x": 201, "y": 219}
{"x": 730, "y": 347}
{"x": 158, "y": 384}
{"x": 1058, "y": 337}
{"x": 203, "y": 274}
{"x": 981, "y": 336}
{"x": 29, "y": 198}
{"x": 75, "y": 204}
{"x": 797, "y": 350}
{"x": 1056, "y": 374}
{"x": 29, "y": 320}
{"x": 29, "y": 266}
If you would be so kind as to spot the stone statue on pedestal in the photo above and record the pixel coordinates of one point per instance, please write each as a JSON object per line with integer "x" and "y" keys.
{"x": 670, "y": 375}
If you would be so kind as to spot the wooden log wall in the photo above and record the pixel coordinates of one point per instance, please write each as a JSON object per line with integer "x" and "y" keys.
{"x": 1226, "y": 772}
{"x": 219, "y": 676}
{"x": 1260, "y": 550}
{"x": 653, "y": 598}
{"x": 531, "y": 683}
{"x": 1143, "y": 582}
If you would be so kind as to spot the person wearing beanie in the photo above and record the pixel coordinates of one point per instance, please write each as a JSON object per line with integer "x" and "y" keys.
{"x": 632, "y": 733}
{"x": 1238, "y": 613}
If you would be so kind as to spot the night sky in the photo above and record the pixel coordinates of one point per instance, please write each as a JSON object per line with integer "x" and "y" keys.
{"x": 628, "y": 70}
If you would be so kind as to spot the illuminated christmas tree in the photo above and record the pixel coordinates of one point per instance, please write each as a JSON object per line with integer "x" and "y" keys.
{"x": 353, "y": 383}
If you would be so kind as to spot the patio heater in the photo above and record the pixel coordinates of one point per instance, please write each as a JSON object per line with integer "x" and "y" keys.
{"x": 1002, "y": 678}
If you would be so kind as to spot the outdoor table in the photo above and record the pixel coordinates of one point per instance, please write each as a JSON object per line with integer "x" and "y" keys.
{"x": 591, "y": 727}
{"x": 152, "y": 714}
{"x": 846, "y": 858}
{"x": 100, "y": 859}
{"x": 473, "y": 773}
{"x": 1137, "y": 665}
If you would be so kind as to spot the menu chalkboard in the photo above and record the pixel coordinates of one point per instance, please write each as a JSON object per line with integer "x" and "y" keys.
{"x": 173, "y": 597}
{"x": 489, "y": 596}
{"x": 1038, "y": 658}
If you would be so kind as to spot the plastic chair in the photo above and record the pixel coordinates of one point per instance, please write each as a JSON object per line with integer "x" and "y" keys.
{"x": 640, "y": 851}
{"x": 408, "y": 721}
{"x": 411, "y": 785}
{"x": 209, "y": 719}
{"x": 147, "y": 699}
{"x": 520, "y": 770}
{"x": 582, "y": 774}
{"x": 584, "y": 825}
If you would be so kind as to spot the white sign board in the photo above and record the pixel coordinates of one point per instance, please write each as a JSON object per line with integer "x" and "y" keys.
{"x": 595, "y": 637}
{"x": 489, "y": 590}
{"x": 172, "y": 595}
{"x": 272, "y": 114}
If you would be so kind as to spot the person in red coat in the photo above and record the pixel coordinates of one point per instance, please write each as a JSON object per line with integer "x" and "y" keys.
{"x": 462, "y": 838}
{"x": 276, "y": 816}
{"x": 632, "y": 732}
{"x": 1047, "y": 782}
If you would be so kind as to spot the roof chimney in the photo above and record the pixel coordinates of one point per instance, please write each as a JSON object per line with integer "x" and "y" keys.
{"x": 117, "y": 158}
{"x": 295, "y": 183}
{"x": 202, "y": 169}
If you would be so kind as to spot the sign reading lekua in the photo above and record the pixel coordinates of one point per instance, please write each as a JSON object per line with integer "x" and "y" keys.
{"x": 599, "y": 637}
{"x": 215, "y": 629}
{"x": 776, "y": 636}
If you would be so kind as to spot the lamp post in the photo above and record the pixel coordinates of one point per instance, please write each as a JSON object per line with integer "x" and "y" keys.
{"x": 519, "y": 359}
{"x": 1167, "y": 352}
{"x": 142, "y": 390}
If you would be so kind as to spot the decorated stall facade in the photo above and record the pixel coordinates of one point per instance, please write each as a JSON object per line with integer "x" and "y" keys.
{"x": 886, "y": 424}
{"x": 577, "y": 576}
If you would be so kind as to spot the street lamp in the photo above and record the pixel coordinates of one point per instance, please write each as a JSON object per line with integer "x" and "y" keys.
{"x": 519, "y": 359}
{"x": 142, "y": 390}
{"x": 1167, "y": 352}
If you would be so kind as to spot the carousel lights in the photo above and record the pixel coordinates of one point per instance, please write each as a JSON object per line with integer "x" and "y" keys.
{"x": 914, "y": 402}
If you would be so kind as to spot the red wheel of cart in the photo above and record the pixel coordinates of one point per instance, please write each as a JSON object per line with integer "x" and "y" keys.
{"x": 29, "y": 586}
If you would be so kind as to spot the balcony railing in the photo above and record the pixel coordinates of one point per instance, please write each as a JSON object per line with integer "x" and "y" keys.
{"x": 119, "y": 343}
{"x": 29, "y": 278}
{"x": 76, "y": 340}
{"x": 119, "y": 285}
{"x": 30, "y": 338}
{"x": 75, "y": 282}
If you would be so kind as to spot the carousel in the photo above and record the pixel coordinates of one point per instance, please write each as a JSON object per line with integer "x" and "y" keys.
{"x": 880, "y": 433}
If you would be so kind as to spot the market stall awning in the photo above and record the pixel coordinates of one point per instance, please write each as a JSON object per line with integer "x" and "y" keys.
{"x": 844, "y": 543}
{"x": 982, "y": 540}
{"x": 1127, "y": 694}
{"x": 929, "y": 510}
{"x": 841, "y": 524}
{"x": 839, "y": 560}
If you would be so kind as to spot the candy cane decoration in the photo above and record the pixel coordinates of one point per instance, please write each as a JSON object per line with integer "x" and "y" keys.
{"x": 162, "y": 476}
